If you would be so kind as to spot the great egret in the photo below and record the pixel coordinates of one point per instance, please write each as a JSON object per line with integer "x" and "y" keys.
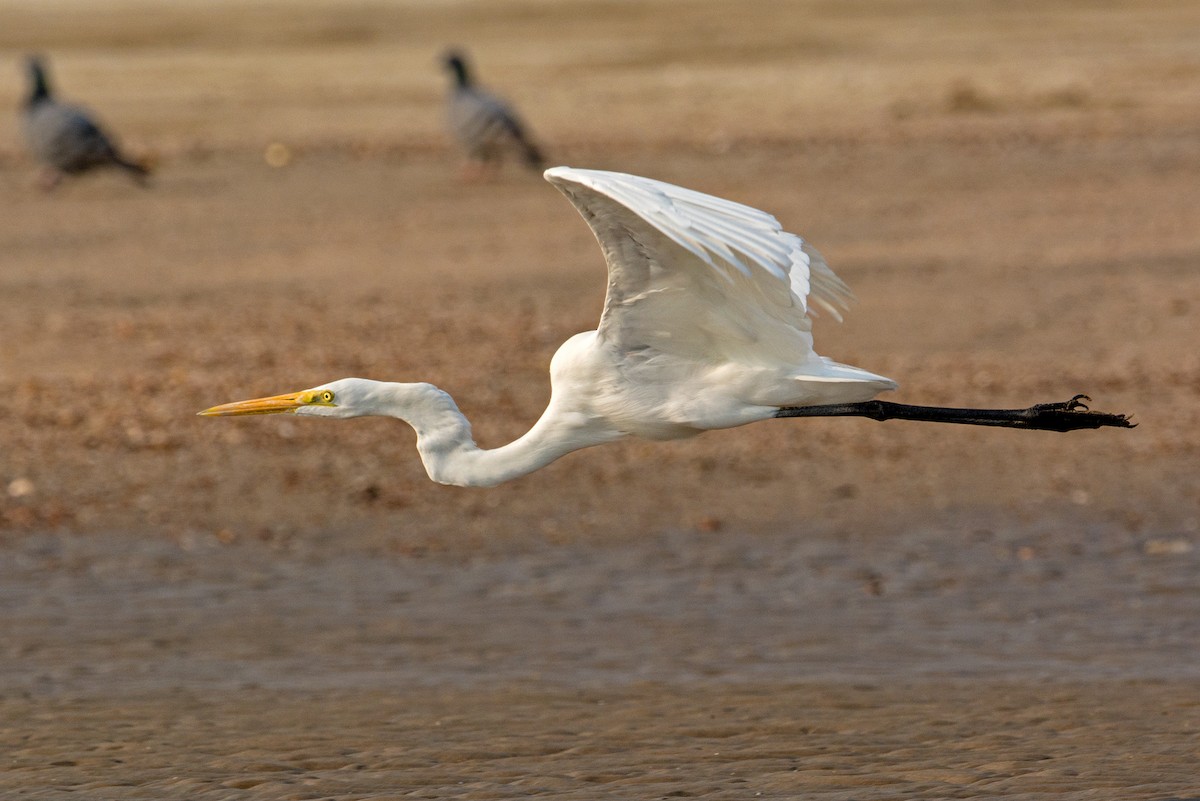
{"x": 706, "y": 325}
{"x": 65, "y": 138}
{"x": 483, "y": 124}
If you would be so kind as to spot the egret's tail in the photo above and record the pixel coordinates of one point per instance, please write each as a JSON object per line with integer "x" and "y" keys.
{"x": 849, "y": 372}
{"x": 828, "y": 381}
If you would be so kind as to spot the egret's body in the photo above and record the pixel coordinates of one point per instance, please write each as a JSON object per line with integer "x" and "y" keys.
{"x": 706, "y": 325}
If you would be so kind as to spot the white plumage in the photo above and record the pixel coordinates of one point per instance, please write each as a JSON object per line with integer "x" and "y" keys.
{"x": 706, "y": 321}
{"x": 706, "y": 325}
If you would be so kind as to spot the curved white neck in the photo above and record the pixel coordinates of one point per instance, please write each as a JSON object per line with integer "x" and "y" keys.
{"x": 450, "y": 454}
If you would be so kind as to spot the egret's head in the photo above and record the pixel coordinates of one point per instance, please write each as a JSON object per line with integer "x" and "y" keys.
{"x": 349, "y": 397}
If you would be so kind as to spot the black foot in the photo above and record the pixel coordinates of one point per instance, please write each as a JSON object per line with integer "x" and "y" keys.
{"x": 1075, "y": 404}
{"x": 1071, "y": 416}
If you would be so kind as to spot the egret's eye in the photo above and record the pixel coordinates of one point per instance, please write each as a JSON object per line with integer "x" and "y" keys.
{"x": 326, "y": 396}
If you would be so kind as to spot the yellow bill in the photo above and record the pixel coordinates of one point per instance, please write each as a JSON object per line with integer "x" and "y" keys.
{"x": 276, "y": 404}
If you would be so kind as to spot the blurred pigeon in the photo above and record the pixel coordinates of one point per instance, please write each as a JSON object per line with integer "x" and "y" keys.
{"x": 484, "y": 125}
{"x": 64, "y": 138}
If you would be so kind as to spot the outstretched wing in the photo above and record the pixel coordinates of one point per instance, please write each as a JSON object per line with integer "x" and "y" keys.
{"x": 697, "y": 276}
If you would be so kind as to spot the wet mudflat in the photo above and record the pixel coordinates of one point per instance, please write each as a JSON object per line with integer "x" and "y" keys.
{"x": 1052, "y": 663}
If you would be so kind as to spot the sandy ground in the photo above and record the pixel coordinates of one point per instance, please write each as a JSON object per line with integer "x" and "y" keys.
{"x": 285, "y": 609}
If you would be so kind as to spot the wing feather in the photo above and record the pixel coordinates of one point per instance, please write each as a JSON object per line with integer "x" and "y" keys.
{"x": 699, "y": 276}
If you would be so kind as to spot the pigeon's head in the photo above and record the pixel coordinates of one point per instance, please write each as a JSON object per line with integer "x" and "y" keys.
{"x": 39, "y": 84}
{"x": 456, "y": 62}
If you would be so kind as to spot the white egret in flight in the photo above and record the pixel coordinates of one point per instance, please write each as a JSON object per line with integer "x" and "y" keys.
{"x": 706, "y": 325}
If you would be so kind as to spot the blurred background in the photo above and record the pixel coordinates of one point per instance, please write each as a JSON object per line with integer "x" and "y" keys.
{"x": 1010, "y": 188}
{"x": 1007, "y": 187}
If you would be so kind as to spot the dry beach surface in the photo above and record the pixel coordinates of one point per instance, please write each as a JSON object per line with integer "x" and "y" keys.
{"x": 286, "y": 609}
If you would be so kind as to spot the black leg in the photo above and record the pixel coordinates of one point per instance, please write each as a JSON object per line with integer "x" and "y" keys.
{"x": 1069, "y": 416}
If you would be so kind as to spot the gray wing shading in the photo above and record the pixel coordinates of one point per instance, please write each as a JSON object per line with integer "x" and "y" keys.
{"x": 66, "y": 138}
{"x": 486, "y": 126}
{"x": 698, "y": 276}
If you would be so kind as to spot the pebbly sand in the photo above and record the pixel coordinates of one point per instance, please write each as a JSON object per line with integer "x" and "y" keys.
{"x": 842, "y": 609}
